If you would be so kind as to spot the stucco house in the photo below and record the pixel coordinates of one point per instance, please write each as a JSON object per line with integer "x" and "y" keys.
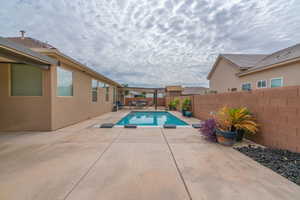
{"x": 178, "y": 90}
{"x": 236, "y": 72}
{"x": 194, "y": 90}
{"x": 43, "y": 89}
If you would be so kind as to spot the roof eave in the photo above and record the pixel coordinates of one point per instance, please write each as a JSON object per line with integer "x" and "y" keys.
{"x": 251, "y": 71}
{"x": 26, "y": 52}
{"x": 213, "y": 67}
{"x": 82, "y": 66}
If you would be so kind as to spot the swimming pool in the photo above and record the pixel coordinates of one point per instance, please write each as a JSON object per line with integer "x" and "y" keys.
{"x": 150, "y": 118}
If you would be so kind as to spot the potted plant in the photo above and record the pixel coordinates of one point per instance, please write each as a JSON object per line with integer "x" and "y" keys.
{"x": 171, "y": 105}
{"x": 185, "y": 106}
{"x": 232, "y": 120}
{"x": 224, "y": 131}
{"x": 244, "y": 122}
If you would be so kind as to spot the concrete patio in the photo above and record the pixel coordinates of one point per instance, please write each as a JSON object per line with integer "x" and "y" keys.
{"x": 83, "y": 162}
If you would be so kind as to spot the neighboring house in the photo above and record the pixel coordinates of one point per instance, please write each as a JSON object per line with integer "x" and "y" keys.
{"x": 194, "y": 90}
{"x": 173, "y": 90}
{"x": 43, "y": 89}
{"x": 178, "y": 90}
{"x": 236, "y": 72}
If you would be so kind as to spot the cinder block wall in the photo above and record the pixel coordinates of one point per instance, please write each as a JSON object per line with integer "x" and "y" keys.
{"x": 277, "y": 111}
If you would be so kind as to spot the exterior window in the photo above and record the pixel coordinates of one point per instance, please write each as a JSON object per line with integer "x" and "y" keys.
{"x": 94, "y": 90}
{"x": 276, "y": 82}
{"x": 101, "y": 84}
{"x": 246, "y": 86}
{"x": 262, "y": 84}
{"x": 114, "y": 94}
{"x": 26, "y": 80}
{"x": 64, "y": 82}
{"x": 107, "y": 93}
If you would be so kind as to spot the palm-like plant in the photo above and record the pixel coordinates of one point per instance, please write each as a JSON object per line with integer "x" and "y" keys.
{"x": 232, "y": 119}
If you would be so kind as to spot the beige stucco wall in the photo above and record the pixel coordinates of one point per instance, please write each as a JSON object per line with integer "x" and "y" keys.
{"x": 23, "y": 113}
{"x": 290, "y": 74}
{"x": 224, "y": 77}
{"x": 50, "y": 112}
{"x": 70, "y": 110}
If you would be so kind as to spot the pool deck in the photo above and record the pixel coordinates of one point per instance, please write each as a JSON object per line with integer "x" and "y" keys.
{"x": 83, "y": 162}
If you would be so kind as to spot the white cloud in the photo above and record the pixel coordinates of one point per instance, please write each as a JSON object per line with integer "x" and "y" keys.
{"x": 156, "y": 42}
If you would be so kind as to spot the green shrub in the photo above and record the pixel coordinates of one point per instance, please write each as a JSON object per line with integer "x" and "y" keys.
{"x": 173, "y": 104}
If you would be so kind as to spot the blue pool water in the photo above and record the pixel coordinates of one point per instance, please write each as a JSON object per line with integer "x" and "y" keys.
{"x": 151, "y": 119}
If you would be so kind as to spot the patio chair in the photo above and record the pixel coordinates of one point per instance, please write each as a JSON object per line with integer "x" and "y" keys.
{"x": 141, "y": 104}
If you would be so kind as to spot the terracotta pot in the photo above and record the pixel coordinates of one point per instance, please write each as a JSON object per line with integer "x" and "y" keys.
{"x": 226, "y": 138}
{"x": 225, "y": 141}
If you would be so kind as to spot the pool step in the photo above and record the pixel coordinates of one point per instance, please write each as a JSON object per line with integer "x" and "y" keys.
{"x": 107, "y": 125}
{"x": 169, "y": 126}
{"x": 130, "y": 126}
{"x": 197, "y": 125}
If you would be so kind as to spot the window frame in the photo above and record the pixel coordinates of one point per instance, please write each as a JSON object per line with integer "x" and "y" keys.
{"x": 64, "y": 68}
{"x": 244, "y": 84}
{"x": 261, "y": 87}
{"x": 107, "y": 93}
{"x": 274, "y": 79}
{"x": 115, "y": 96}
{"x": 10, "y": 83}
{"x": 96, "y": 89}
{"x": 101, "y": 84}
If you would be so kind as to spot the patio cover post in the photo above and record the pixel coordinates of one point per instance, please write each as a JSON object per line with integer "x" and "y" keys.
{"x": 155, "y": 98}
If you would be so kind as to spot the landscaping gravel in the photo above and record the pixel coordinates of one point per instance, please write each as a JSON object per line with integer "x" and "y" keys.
{"x": 284, "y": 162}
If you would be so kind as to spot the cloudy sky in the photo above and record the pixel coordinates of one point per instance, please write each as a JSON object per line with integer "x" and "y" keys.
{"x": 155, "y": 42}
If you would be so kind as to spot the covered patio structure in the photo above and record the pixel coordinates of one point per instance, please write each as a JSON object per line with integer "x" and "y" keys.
{"x": 151, "y": 96}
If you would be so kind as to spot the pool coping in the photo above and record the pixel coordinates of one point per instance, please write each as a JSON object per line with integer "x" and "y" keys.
{"x": 122, "y": 126}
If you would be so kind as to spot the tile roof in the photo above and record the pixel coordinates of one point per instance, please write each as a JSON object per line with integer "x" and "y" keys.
{"x": 34, "y": 44}
{"x": 280, "y": 56}
{"x": 249, "y": 63}
{"x": 20, "y": 48}
{"x": 244, "y": 60}
{"x": 30, "y": 42}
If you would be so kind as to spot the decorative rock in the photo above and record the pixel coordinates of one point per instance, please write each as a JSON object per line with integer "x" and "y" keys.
{"x": 284, "y": 162}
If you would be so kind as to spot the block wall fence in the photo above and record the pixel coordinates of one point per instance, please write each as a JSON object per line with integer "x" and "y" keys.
{"x": 277, "y": 111}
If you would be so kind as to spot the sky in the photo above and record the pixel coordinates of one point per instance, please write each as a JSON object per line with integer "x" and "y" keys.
{"x": 154, "y": 43}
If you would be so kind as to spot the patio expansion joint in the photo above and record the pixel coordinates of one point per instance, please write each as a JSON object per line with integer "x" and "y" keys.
{"x": 91, "y": 167}
{"x": 176, "y": 165}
